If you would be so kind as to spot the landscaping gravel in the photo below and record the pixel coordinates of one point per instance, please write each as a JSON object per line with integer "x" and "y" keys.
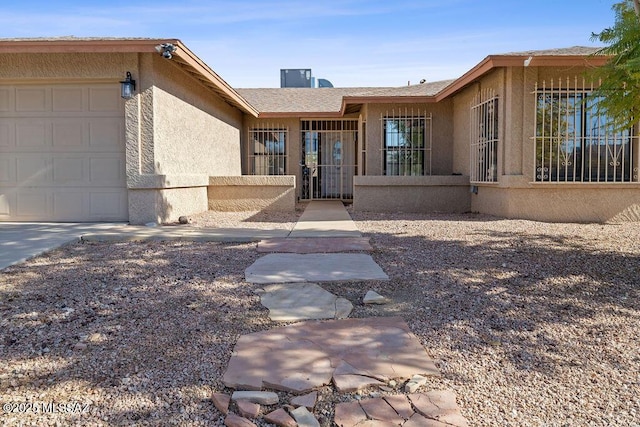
{"x": 531, "y": 324}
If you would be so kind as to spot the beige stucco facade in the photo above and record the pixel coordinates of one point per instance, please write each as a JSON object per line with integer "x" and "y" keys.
{"x": 183, "y": 142}
{"x": 516, "y": 194}
{"x": 178, "y": 135}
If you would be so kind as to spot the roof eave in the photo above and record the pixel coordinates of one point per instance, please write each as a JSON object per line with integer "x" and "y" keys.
{"x": 496, "y": 61}
{"x": 298, "y": 114}
{"x": 81, "y": 45}
{"x": 220, "y": 86}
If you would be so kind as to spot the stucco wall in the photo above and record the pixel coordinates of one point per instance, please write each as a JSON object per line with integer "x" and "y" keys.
{"x": 573, "y": 203}
{"x": 412, "y": 194}
{"x": 195, "y": 131}
{"x": 179, "y": 133}
{"x": 248, "y": 193}
{"x": 67, "y": 66}
{"x": 163, "y": 205}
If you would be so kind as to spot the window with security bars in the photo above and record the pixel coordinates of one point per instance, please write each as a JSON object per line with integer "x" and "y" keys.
{"x": 407, "y": 143}
{"x": 575, "y": 141}
{"x": 484, "y": 137}
{"x": 268, "y": 151}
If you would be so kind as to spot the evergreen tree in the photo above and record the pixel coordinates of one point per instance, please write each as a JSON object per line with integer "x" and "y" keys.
{"x": 620, "y": 87}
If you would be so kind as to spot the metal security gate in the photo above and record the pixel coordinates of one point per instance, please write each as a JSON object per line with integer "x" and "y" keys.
{"x": 328, "y": 159}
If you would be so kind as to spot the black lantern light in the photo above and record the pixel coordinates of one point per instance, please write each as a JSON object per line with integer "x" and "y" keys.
{"x": 128, "y": 86}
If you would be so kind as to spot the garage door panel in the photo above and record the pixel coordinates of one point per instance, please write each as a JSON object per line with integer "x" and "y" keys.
{"x": 108, "y": 205}
{"x": 68, "y": 99}
{"x": 33, "y": 134}
{"x": 7, "y": 138}
{"x": 32, "y": 203}
{"x": 106, "y": 100}
{"x": 7, "y": 171}
{"x": 67, "y": 204}
{"x": 107, "y": 170}
{"x": 106, "y": 134}
{"x": 33, "y": 170}
{"x": 68, "y": 134}
{"x": 5, "y": 203}
{"x": 6, "y": 100}
{"x": 69, "y": 170}
{"x": 32, "y": 100}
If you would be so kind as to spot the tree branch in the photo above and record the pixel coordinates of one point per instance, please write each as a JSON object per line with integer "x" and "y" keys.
{"x": 636, "y": 6}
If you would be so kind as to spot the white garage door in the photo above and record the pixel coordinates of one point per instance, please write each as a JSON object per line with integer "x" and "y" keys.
{"x": 62, "y": 153}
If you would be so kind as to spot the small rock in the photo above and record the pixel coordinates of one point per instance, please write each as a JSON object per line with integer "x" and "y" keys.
{"x": 151, "y": 224}
{"x": 415, "y": 383}
{"x": 373, "y": 297}
{"x": 304, "y": 418}
{"x": 221, "y": 402}
{"x": 233, "y": 420}
{"x": 308, "y": 400}
{"x": 183, "y": 220}
{"x": 80, "y": 346}
{"x": 280, "y": 418}
{"x": 261, "y": 397}
{"x": 393, "y": 383}
{"x": 248, "y": 409}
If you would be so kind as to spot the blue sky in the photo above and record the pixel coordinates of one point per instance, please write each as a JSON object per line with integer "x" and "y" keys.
{"x": 349, "y": 42}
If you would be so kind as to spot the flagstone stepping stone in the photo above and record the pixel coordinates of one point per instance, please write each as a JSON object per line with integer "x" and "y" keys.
{"x": 288, "y": 268}
{"x": 436, "y": 408}
{"x": 301, "y": 357}
{"x": 439, "y": 405}
{"x": 308, "y": 245}
{"x": 303, "y": 301}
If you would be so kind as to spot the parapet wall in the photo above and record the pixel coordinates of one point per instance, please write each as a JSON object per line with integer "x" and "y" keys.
{"x": 251, "y": 192}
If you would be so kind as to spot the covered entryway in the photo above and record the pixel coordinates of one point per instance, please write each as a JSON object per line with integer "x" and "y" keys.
{"x": 62, "y": 152}
{"x": 328, "y": 159}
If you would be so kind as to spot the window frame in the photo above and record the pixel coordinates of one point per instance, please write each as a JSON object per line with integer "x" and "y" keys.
{"x": 411, "y": 161}
{"x": 273, "y": 158}
{"x": 574, "y": 141}
{"x": 485, "y": 137}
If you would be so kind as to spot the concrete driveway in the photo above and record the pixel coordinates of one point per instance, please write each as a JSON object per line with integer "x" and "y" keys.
{"x": 20, "y": 241}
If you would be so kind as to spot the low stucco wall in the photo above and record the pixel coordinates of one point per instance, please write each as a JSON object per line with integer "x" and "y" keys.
{"x": 561, "y": 203}
{"x": 165, "y": 205}
{"x": 411, "y": 194}
{"x": 248, "y": 193}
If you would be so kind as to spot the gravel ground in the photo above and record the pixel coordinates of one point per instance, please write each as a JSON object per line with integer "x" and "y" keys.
{"x": 532, "y": 324}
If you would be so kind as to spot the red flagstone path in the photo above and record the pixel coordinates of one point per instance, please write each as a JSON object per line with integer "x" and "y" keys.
{"x": 303, "y": 356}
{"x": 435, "y": 408}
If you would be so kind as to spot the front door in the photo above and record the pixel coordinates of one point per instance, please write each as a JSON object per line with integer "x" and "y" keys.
{"x": 328, "y": 159}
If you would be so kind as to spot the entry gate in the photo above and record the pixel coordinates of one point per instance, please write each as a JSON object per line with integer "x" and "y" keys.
{"x": 328, "y": 159}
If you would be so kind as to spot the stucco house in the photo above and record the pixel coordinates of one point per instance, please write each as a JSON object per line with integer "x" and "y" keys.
{"x": 516, "y": 136}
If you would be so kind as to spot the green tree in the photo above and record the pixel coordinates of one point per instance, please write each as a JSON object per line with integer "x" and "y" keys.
{"x": 620, "y": 76}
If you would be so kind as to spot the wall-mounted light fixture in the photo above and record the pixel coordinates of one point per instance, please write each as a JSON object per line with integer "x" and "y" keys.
{"x": 127, "y": 86}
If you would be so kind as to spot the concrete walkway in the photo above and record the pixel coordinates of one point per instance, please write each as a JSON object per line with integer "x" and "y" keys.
{"x": 20, "y": 241}
{"x": 322, "y": 224}
{"x": 325, "y": 218}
